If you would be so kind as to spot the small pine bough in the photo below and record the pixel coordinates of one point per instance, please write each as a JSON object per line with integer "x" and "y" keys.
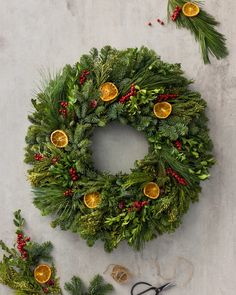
{"x": 192, "y": 16}
{"x": 136, "y": 88}
{"x": 27, "y": 268}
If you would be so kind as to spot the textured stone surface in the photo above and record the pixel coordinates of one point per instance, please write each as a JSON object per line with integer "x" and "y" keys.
{"x": 39, "y": 35}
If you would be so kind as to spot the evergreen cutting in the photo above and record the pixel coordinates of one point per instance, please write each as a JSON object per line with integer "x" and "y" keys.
{"x": 203, "y": 27}
{"x": 179, "y": 154}
{"x": 19, "y": 263}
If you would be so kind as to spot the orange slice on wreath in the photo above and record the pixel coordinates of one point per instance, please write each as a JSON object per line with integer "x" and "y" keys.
{"x": 108, "y": 91}
{"x": 190, "y": 9}
{"x": 42, "y": 273}
{"x": 92, "y": 200}
{"x": 162, "y": 110}
{"x": 59, "y": 138}
{"x": 151, "y": 190}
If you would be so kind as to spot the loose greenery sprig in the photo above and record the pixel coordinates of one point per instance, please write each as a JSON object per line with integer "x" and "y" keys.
{"x": 202, "y": 26}
{"x": 179, "y": 147}
{"x": 18, "y": 264}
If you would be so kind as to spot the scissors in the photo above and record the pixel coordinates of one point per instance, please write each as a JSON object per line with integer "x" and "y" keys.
{"x": 158, "y": 290}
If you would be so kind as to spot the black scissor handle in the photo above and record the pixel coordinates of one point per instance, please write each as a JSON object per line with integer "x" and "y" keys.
{"x": 145, "y": 291}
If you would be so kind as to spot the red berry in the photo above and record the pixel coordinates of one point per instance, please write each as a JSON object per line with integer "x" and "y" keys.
{"x": 38, "y": 157}
{"x": 122, "y": 205}
{"x": 68, "y": 192}
{"x": 64, "y": 104}
{"x": 149, "y": 24}
{"x": 93, "y": 103}
{"x": 51, "y": 282}
{"x": 143, "y": 203}
{"x": 54, "y": 160}
{"x": 45, "y": 290}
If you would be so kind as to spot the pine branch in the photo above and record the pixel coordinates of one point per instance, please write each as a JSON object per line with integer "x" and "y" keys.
{"x": 75, "y": 286}
{"x": 98, "y": 287}
{"x": 202, "y": 27}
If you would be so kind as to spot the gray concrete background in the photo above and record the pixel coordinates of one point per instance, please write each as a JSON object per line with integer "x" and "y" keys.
{"x": 39, "y": 35}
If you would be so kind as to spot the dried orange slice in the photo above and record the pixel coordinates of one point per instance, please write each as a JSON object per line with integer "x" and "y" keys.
{"x": 162, "y": 110}
{"x": 59, "y": 138}
{"x": 92, "y": 200}
{"x": 108, "y": 91}
{"x": 151, "y": 190}
{"x": 190, "y": 9}
{"x": 42, "y": 273}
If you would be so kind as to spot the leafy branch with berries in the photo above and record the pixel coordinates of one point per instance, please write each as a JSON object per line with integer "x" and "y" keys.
{"x": 28, "y": 268}
{"x": 134, "y": 87}
{"x": 192, "y": 16}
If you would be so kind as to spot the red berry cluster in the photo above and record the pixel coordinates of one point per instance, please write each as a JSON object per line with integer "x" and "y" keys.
{"x": 64, "y": 111}
{"x": 83, "y": 76}
{"x": 132, "y": 92}
{"x": 73, "y": 174}
{"x": 68, "y": 192}
{"x": 21, "y": 243}
{"x": 38, "y": 157}
{"x": 164, "y": 97}
{"x": 49, "y": 283}
{"x": 149, "y": 24}
{"x": 180, "y": 179}
{"x": 178, "y": 145}
{"x": 93, "y": 104}
{"x": 176, "y": 13}
{"x": 160, "y": 22}
{"x": 54, "y": 160}
{"x": 138, "y": 205}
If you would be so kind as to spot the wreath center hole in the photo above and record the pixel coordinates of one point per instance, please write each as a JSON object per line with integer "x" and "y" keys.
{"x": 116, "y": 147}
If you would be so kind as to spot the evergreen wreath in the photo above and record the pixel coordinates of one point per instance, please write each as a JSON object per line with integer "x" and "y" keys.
{"x": 134, "y": 87}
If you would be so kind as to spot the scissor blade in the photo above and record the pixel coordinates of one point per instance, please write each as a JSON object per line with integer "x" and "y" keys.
{"x": 166, "y": 286}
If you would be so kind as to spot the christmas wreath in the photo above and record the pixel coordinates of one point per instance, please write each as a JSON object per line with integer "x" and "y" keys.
{"x": 134, "y": 87}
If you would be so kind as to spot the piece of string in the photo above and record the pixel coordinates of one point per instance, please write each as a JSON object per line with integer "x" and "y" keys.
{"x": 119, "y": 273}
{"x": 175, "y": 274}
